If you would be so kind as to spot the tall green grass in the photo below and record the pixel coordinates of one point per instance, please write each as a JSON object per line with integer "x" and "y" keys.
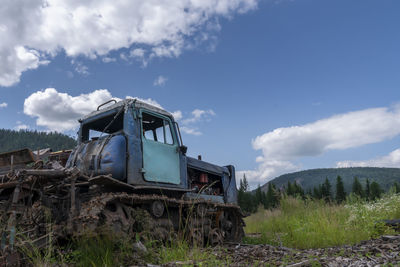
{"x": 181, "y": 253}
{"x": 108, "y": 249}
{"x": 315, "y": 224}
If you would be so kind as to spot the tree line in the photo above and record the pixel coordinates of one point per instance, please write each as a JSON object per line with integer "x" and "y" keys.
{"x": 13, "y": 140}
{"x": 250, "y": 201}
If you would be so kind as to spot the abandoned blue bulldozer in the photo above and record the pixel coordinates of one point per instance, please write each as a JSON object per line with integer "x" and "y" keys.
{"x": 129, "y": 173}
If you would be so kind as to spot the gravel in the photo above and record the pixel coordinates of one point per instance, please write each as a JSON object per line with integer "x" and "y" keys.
{"x": 384, "y": 251}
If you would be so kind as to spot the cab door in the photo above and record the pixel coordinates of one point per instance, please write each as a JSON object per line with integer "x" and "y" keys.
{"x": 160, "y": 149}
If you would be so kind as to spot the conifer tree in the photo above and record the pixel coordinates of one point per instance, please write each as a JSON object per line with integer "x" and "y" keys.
{"x": 340, "y": 193}
{"x": 272, "y": 200}
{"x": 298, "y": 190}
{"x": 289, "y": 189}
{"x": 258, "y": 196}
{"x": 326, "y": 191}
{"x": 246, "y": 200}
{"x": 317, "y": 192}
{"x": 264, "y": 199}
{"x": 357, "y": 187}
{"x": 376, "y": 191}
{"x": 367, "y": 190}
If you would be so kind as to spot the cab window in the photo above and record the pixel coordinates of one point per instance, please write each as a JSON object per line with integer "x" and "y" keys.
{"x": 156, "y": 129}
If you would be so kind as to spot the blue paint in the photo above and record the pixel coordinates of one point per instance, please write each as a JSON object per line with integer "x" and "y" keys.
{"x": 128, "y": 156}
{"x": 161, "y": 160}
{"x": 101, "y": 157}
{"x": 113, "y": 158}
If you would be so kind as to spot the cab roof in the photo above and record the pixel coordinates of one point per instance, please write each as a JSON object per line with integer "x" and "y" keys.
{"x": 128, "y": 102}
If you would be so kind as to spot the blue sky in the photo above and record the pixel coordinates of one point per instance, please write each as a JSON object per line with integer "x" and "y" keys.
{"x": 269, "y": 86}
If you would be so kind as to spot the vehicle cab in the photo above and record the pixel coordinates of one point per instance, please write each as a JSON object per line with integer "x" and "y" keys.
{"x": 140, "y": 144}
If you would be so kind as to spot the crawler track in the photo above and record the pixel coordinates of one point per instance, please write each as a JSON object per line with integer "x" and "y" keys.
{"x": 160, "y": 217}
{"x": 41, "y": 206}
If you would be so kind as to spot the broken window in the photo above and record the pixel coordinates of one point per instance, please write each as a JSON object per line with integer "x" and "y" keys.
{"x": 103, "y": 126}
{"x": 156, "y": 129}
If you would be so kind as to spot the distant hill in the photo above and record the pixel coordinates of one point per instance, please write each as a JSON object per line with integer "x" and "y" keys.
{"x": 310, "y": 178}
{"x": 13, "y": 140}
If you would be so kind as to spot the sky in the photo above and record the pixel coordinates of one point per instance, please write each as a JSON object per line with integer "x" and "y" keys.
{"x": 270, "y": 87}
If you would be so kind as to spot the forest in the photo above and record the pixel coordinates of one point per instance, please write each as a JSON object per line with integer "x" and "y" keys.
{"x": 249, "y": 201}
{"x": 13, "y": 140}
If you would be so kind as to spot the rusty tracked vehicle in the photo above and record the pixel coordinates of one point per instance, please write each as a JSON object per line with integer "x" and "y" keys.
{"x": 129, "y": 172}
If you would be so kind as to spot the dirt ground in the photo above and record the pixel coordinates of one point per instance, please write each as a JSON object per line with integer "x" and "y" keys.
{"x": 384, "y": 251}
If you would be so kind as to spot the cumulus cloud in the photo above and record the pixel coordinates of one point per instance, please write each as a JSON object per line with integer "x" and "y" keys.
{"x": 60, "y": 111}
{"x": 160, "y": 81}
{"x": 190, "y": 130}
{"x": 32, "y": 32}
{"x": 3, "y": 105}
{"x": 391, "y": 160}
{"x": 197, "y": 115}
{"x": 177, "y": 115}
{"x": 282, "y": 146}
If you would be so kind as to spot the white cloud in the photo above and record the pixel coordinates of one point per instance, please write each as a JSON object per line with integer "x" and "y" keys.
{"x": 190, "y": 130}
{"x": 32, "y": 32}
{"x": 177, "y": 115}
{"x": 282, "y": 146}
{"x": 391, "y": 160}
{"x": 3, "y": 105}
{"x": 60, "y": 111}
{"x": 160, "y": 81}
{"x": 139, "y": 54}
{"x": 80, "y": 68}
{"x": 197, "y": 115}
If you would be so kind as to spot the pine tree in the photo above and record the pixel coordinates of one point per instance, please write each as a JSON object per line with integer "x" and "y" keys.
{"x": 367, "y": 190}
{"x": 272, "y": 200}
{"x": 289, "y": 189}
{"x": 326, "y": 191}
{"x": 376, "y": 191}
{"x": 357, "y": 188}
{"x": 241, "y": 193}
{"x": 258, "y": 196}
{"x": 246, "y": 200}
{"x": 298, "y": 190}
{"x": 340, "y": 193}
{"x": 245, "y": 184}
{"x": 264, "y": 199}
{"x": 317, "y": 192}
